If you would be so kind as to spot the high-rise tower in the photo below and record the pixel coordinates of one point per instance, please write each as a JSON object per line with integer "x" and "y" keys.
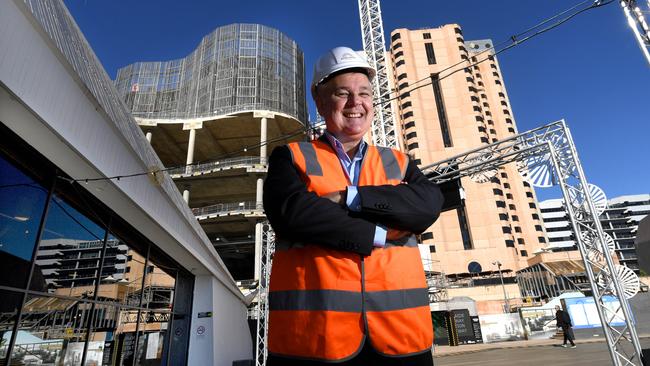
{"x": 450, "y": 114}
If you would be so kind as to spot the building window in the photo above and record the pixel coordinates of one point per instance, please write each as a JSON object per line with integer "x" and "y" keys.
{"x": 399, "y": 63}
{"x": 426, "y": 235}
{"x": 510, "y": 243}
{"x": 512, "y": 206}
{"x": 413, "y": 146}
{"x": 517, "y": 229}
{"x": 442, "y": 115}
{"x": 531, "y": 205}
{"x": 397, "y": 45}
{"x": 503, "y": 217}
{"x": 458, "y": 31}
{"x": 403, "y": 85}
{"x": 539, "y": 228}
{"x": 409, "y": 124}
{"x": 523, "y": 253}
{"x": 75, "y": 248}
{"x": 501, "y": 204}
{"x": 432, "y": 248}
{"x": 497, "y": 191}
{"x": 529, "y": 194}
{"x": 395, "y": 37}
{"x": 504, "y": 175}
{"x": 399, "y": 54}
{"x": 417, "y": 161}
{"x": 506, "y": 229}
{"x": 406, "y": 105}
{"x": 515, "y": 218}
{"x": 431, "y": 56}
{"x": 426, "y": 35}
{"x": 506, "y": 185}
{"x": 401, "y": 76}
{"x": 541, "y": 239}
{"x": 509, "y": 196}
{"x": 464, "y": 228}
{"x": 407, "y": 115}
{"x": 411, "y": 135}
{"x": 521, "y": 241}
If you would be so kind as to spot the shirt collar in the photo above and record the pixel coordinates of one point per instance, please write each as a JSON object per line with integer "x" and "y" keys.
{"x": 340, "y": 151}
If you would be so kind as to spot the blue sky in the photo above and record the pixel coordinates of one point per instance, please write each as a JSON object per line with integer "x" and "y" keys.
{"x": 588, "y": 71}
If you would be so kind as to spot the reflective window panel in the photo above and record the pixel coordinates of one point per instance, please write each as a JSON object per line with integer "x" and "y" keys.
{"x": 68, "y": 256}
{"x": 8, "y": 314}
{"x": 22, "y": 201}
{"x": 51, "y": 332}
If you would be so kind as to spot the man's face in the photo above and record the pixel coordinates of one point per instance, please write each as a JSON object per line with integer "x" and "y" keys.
{"x": 345, "y": 102}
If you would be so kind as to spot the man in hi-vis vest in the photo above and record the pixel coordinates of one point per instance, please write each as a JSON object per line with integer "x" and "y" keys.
{"x": 347, "y": 283}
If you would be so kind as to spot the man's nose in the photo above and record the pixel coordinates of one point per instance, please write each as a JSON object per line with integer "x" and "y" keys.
{"x": 354, "y": 99}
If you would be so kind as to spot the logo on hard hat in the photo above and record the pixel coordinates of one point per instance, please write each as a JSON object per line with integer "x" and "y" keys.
{"x": 347, "y": 56}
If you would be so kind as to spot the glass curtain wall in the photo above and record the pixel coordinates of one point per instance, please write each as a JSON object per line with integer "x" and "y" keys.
{"x": 78, "y": 285}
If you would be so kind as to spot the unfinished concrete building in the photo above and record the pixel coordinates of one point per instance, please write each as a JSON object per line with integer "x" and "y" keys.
{"x": 216, "y": 114}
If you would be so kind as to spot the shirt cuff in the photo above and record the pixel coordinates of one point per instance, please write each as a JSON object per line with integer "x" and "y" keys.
{"x": 380, "y": 236}
{"x": 352, "y": 200}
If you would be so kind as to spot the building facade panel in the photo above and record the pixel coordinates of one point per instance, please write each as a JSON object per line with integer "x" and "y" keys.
{"x": 237, "y": 67}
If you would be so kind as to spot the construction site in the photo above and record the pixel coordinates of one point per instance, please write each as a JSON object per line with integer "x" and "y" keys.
{"x": 116, "y": 289}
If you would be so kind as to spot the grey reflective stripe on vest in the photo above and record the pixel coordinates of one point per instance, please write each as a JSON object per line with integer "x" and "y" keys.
{"x": 315, "y": 300}
{"x": 312, "y": 166}
{"x": 347, "y": 301}
{"x": 397, "y": 299}
{"x": 391, "y": 166}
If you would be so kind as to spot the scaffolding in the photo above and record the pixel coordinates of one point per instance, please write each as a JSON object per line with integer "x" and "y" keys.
{"x": 547, "y": 156}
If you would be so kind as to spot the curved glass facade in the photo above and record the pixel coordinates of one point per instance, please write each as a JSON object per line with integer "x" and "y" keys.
{"x": 238, "y": 67}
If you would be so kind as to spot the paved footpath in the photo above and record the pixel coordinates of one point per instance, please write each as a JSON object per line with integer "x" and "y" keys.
{"x": 545, "y": 352}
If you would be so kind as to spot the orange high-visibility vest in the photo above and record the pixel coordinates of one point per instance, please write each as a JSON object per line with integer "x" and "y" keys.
{"x": 323, "y": 302}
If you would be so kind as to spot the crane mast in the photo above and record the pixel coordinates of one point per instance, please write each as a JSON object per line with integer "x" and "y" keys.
{"x": 372, "y": 32}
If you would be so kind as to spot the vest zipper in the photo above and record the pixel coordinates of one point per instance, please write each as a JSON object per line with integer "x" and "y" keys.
{"x": 363, "y": 297}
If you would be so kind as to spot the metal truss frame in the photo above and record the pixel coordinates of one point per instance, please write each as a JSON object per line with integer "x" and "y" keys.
{"x": 268, "y": 247}
{"x": 372, "y": 34}
{"x": 636, "y": 20}
{"x": 552, "y": 146}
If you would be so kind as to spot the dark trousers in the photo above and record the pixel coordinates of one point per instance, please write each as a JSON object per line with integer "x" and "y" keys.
{"x": 367, "y": 357}
{"x": 568, "y": 335}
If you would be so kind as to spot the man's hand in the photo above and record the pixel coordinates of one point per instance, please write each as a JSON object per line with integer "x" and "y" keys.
{"x": 336, "y": 197}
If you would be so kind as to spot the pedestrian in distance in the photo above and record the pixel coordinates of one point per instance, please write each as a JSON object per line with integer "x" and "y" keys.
{"x": 347, "y": 283}
{"x": 563, "y": 321}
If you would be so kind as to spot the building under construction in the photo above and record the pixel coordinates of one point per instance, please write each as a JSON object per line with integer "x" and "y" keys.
{"x": 216, "y": 114}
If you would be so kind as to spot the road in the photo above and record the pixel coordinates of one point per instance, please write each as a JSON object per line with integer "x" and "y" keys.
{"x": 586, "y": 354}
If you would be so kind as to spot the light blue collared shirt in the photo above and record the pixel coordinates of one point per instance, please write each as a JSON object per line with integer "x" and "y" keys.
{"x": 352, "y": 168}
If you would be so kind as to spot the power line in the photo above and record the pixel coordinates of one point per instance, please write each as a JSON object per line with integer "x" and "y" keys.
{"x": 512, "y": 42}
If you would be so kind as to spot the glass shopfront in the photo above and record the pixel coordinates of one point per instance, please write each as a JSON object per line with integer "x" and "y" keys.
{"x": 78, "y": 285}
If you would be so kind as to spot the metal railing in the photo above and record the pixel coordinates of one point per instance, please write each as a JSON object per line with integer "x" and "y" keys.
{"x": 232, "y": 163}
{"x": 227, "y": 209}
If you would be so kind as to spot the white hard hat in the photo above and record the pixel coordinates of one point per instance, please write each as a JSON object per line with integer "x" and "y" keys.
{"x": 337, "y": 59}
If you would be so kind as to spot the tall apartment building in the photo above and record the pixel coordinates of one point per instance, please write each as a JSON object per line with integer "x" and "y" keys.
{"x": 620, "y": 220}
{"x": 499, "y": 219}
{"x": 223, "y": 108}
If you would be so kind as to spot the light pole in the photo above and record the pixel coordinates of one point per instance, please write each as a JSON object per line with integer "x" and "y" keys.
{"x": 505, "y": 294}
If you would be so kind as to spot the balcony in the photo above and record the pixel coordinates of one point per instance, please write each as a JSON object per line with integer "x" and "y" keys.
{"x": 250, "y": 163}
{"x": 247, "y": 209}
